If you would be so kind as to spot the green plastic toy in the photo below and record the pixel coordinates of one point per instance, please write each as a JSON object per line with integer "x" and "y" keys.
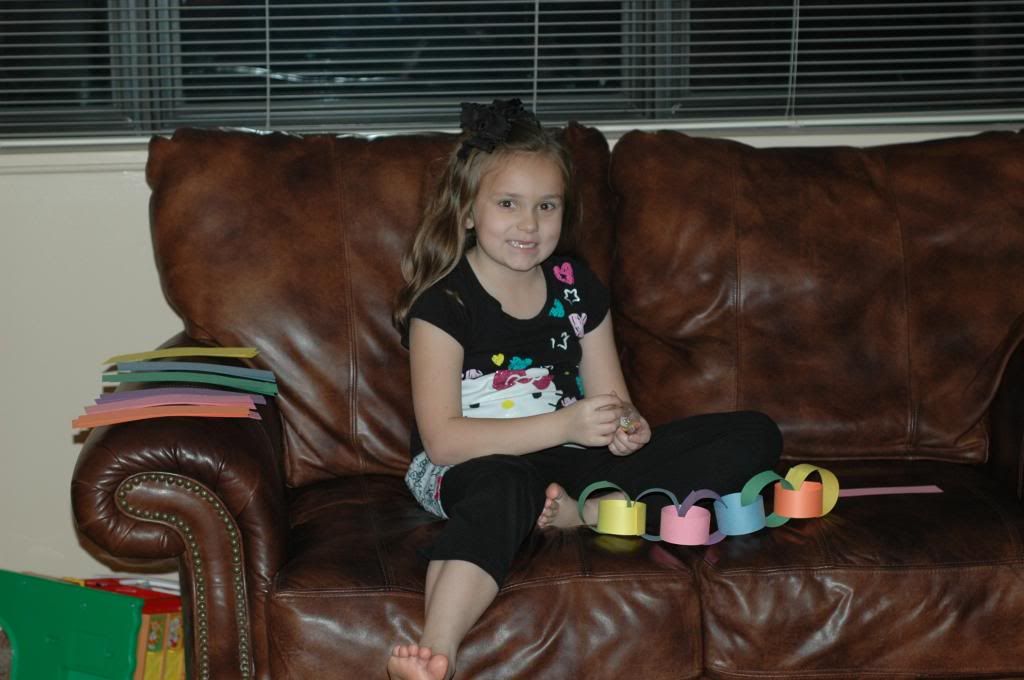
{"x": 62, "y": 631}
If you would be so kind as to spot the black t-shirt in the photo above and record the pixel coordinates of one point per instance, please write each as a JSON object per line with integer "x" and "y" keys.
{"x": 515, "y": 367}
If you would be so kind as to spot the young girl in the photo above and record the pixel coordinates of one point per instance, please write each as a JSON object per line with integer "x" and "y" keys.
{"x": 519, "y": 397}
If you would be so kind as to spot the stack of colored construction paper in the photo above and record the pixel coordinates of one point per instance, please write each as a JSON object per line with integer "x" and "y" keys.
{"x": 234, "y": 393}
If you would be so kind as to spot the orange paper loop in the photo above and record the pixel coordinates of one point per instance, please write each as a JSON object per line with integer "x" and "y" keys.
{"x": 801, "y": 503}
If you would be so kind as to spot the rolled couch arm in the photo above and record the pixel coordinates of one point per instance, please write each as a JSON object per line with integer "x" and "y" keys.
{"x": 1006, "y": 424}
{"x": 208, "y": 491}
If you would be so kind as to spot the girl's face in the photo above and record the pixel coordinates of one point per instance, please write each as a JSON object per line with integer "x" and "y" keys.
{"x": 517, "y": 212}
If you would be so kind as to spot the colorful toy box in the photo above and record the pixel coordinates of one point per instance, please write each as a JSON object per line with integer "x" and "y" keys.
{"x": 62, "y": 631}
{"x": 107, "y": 630}
{"x": 159, "y": 653}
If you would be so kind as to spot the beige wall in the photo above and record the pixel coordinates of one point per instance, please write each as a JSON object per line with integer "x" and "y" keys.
{"x": 77, "y": 284}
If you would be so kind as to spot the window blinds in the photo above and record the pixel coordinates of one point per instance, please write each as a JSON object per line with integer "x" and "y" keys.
{"x": 131, "y": 68}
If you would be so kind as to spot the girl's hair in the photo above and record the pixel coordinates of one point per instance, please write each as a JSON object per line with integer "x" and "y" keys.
{"x": 442, "y": 237}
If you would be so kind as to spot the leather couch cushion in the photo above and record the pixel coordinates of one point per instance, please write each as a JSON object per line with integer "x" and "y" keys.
{"x": 354, "y": 587}
{"x": 885, "y": 586}
{"x": 867, "y": 299}
{"x": 292, "y": 245}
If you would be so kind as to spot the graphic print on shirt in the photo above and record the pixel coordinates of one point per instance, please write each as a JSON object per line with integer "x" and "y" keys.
{"x": 578, "y": 322}
{"x": 518, "y": 363}
{"x": 565, "y": 275}
{"x": 510, "y": 394}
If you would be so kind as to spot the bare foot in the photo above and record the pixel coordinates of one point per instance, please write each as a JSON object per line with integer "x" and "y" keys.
{"x": 559, "y": 509}
{"x": 412, "y": 662}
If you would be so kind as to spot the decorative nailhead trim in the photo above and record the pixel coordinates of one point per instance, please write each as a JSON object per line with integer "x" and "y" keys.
{"x": 192, "y": 546}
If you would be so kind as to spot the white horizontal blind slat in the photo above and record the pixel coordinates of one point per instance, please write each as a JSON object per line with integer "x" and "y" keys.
{"x": 123, "y": 67}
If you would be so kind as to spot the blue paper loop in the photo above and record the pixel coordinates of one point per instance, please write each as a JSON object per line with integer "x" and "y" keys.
{"x": 736, "y": 519}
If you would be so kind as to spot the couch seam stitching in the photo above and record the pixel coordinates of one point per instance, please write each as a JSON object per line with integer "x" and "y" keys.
{"x": 1020, "y": 467}
{"x": 911, "y": 429}
{"x": 736, "y": 279}
{"x": 353, "y": 361}
{"x": 392, "y": 586}
{"x": 931, "y": 567}
{"x": 378, "y": 548}
{"x": 861, "y": 672}
{"x": 912, "y": 414}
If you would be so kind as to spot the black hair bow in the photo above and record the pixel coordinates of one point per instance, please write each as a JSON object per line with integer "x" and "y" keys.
{"x": 489, "y": 124}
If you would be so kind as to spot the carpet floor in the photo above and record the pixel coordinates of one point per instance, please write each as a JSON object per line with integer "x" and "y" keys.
{"x": 5, "y": 657}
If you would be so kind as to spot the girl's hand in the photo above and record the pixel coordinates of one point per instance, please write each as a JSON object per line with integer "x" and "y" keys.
{"x": 593, "y": 421}
{"x": 633, "y": 432}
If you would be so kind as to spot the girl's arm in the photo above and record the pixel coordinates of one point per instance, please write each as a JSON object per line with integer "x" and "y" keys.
{"x": 602, "y": 374}
{"x": 435, "y": 360}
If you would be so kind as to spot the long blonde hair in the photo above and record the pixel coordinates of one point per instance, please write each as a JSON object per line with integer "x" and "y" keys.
{"x": 442, "y": 238}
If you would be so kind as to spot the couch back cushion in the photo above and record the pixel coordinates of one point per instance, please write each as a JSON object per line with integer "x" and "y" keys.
{"x": 867, "y": 299}
{"x": 292, "y": 245}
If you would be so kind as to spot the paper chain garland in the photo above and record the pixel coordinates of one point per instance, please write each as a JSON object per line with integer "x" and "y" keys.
{"x": 737, "y": 513}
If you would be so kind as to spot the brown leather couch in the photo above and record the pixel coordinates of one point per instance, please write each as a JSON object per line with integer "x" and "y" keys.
{"x": 870, "y": 300}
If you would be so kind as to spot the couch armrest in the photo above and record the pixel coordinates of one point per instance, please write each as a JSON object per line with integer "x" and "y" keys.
{"x": 208, "y": 491}
{"x": 1006, "y": 424}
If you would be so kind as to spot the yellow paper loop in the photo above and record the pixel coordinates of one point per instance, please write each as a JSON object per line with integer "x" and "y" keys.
{"x": 621, "y": 517}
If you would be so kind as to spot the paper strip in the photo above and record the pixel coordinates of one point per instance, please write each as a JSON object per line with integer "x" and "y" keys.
{"x": 736, "y": 518}
{"x": 235, "y": 352}
{"x": 791, "y": 498}
{"x": 621, "y": 517}
{"x": 237, "y": 371}
{"x": 615, "y": 516}
{"x": 664, "y": 526}
{"x": 681, "y": 524}
{"x": 134, "y": 394}
{"x": 829, "y": 484}
{"x": 143, "y": 400}
{"x": 258, "y": 386}
{"x": 888, "y": 490}
{"x": 802, "y": 503}
{"x": 689, "y": 505}
{"x": 126, "y": 415}
{"x": 751, "y": 490}
{"x": 693, "y": 528}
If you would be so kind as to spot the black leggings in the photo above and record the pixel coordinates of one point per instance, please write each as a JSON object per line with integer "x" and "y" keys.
{"x": 493, "y": 502}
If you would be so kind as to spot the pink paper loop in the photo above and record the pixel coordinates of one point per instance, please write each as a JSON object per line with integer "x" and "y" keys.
{"x": 699, "y": 520}
{"x": 685, "y": 523}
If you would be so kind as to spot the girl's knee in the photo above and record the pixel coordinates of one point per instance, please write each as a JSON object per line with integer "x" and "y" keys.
{"x": 763, "y": 432}
{"x": 757, "y": 421}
